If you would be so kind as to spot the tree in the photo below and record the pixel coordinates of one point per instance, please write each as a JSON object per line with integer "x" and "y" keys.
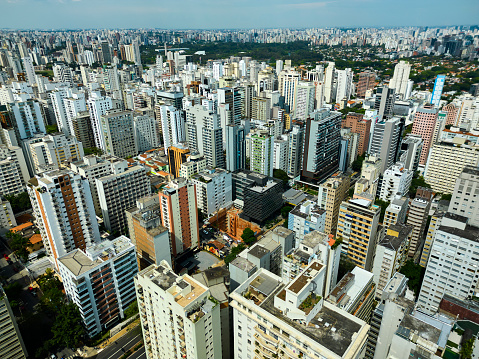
{"x": 19, "y": 244}
{"x": 234, "y": 253}
{"x": 93, "y": 151}
{"x": 285, "y": 211}
{"x": 417, "y": 181}
{"x": 67, "y": 329}
{"x": 248, "y": 236}
{"x": 358, "y": 163}
{"x": 415, "y": 274}
{"x": 384, "y": 205}
{"x": 466, "y": 349}
{"x": 20, "y": 202}
{"x": 53, "y": 297}
{"x": 131, "y": 310}
{"x": 345, "y": 266}
{"x": 281, "y": 175}
{"x": 13, "y": 290}
{"x": 52, "y": 128}
{"x": 201, "y": 216}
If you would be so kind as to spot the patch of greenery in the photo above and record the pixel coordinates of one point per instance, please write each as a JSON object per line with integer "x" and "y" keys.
{"x": 19, "y": 244}
{"x": 248, "y": 236}
{"x": 285, "y": 211}
{"x": 93, "y": 151}
{"x": 20, "y": 202}
{"x": 358, "y": 163}
{"x": 283, "y": 176}
{"x": 132, "y": 310}
{"x": 415, "y": 274}
{"x": 234, "y": 253}
{"x": 52, "y": 128}
{"x": 417, "y": 181}
{"x": 384, "y": 205}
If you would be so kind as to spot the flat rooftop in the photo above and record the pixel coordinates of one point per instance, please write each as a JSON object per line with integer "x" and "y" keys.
{"x": 312, "y": 239}
{"x": 243, "y": 264}
{"x": 305, "y": 277}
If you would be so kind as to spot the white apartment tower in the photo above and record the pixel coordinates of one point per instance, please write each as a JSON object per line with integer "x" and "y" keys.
{"x": 179, "y": 316}
{"x": 98, "y": 106}
{"x": 400, "y": 79}
{"x": 173, "y": 126}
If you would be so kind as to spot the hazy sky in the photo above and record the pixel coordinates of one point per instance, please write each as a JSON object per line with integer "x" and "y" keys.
{"x": 181, "y": 14}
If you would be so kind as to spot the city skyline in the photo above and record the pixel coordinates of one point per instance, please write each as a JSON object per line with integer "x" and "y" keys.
{"x": 75, "y": 14}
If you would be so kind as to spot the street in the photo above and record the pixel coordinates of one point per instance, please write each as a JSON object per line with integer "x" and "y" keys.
{"x": 116, "y": 349}
{"x": 139, "y": 354}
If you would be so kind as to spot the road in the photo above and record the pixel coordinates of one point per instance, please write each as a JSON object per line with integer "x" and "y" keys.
{"x": 139, "y": 354}
{"x": 122, "y": 345}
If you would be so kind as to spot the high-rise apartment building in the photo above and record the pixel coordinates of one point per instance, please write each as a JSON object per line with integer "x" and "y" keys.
{"x": 173, "y": 126}
{"x": 262, "y": 153}
{"x": 391, "y": 254}
{"x": 205, "y": 135}
{"x": 235, "y": 147}
{"x": 464, "y": 197}
{"x": 434, "y": 224}
{"x": 321, "y": 145}
{"x": 11, "y": 346}
{"x": 273, "y": 319}
{"x": 29, "y": 70}
{"x": 396, "y": 211}
{"x": 179, "y": 213}
{"x": 361, "y": 126}
{"x": 214, "y": 190}
{"x": 287, "y": 81}
{"x": 146, "y": 136}
{"x": 180, "y": 318}
{"x": 118, "y": 133}
{"x": 13, "y": 170}
{"x": 295, "y": 151}
{"x": 411, "y": 148}
{"x": 54, "y": 150}
{"x": 344, "y": 84}
{"x": 99, "y": 280}
{"x": 358, "y": 222}
{"x": 63, "y": 209}
{"x": 98, "y": 106}
{"x": 304, "y": 99}
{"x": 396, "y": 181}
{"x": 119, "y": 191}
{"x": 231, "y": 97}
{"x": 451, "y": 268}
{"x": 329, "y": 83}
{"x": 306, "y": 217}
{"x": 27, "y": 118}
{"x": 400, "y": 79}
{"x": 7, "y": 217}
{"x": 150, "y": 238}
{"x": 424, "y": 125}
{"x": 177, "y": 155}
{"x": 386, "y": 141}
{"x": 417, "y": 217}
{"x": 83, "y": 129}
{"x": 330, "y": 195}
{"x": 451, "y": 156}
{"x": 367, "y": 81}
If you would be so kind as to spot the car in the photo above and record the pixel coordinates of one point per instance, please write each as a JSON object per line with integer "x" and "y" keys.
{"x": 6, "y": 257}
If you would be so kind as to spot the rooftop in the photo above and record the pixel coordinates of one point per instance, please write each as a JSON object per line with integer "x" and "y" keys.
{"x": 243, "y": 264}
{"x": 78, "y": 263}
{"x": 312, "y": 239}
{"x": 305, "y": 277}
{"x": 396, "y": 235}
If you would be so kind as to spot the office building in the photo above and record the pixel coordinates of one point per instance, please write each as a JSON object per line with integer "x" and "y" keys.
{"x": 400, "y": 79}
{"x": 11, "y": 346}
{"x": 195, "y": 163}
{"x": 83, "y": 129}
{"x": 146, "y": 136}
{"x": 417, "y": 217}
{"x": 235, "y": 147}
{"x": 396, "y": 181}
{"x": 55, "y": 150}
{"x": 179, "y": 214}
{"x": 330, "y": 195}
{"x": 295, "y": 151}
{"x": 424, "y": 125}
{"x": 281, "y": 317}
{"x": 396, "y": 211}
{"x": 13, "y": 170}
{"x": 64, "y": 212}
{"x": 451, "y": 156}
{"x": 467, "y": 186}
{"x": 321, "y": 145}
{"x": 179, "y": 316}
{"x": 118, "y": 133}
{"x": 358, "y": 226}
{"x": 386, "y": 141}
{"x": 205, "y": 135}
{"x": 99, "y": 280}
{"x": 306, "y": 217}
{"x": 177, "y": 155}
{"x": 214, "y": 190}
{"x": 384, "y": 102}
{"x": 150, "y": 238}
{"x": 119, "y": 191}
{"x": 367, "y": 81}
{"x": 355, "y": 294}
{"x": 391, "y": 254}
{"x": 361, "y": 126}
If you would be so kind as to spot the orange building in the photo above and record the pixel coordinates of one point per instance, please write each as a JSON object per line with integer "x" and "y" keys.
{"x": 228, "y": 220}
{"x": 176, "y": 156}
{"x": 359, "y": 125}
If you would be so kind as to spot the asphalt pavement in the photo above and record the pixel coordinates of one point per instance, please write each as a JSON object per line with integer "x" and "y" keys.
{"x": 139, "y": 354}
{"x": 116, "y": 349}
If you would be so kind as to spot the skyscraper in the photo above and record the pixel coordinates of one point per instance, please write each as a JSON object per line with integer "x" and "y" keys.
{"x": 11, "y": 346}
{"x": 361, "y": 126}
{"x": 329, "y": 83}
{"x": 424, "y": 125}
{"x": 386, "y": 141}
{"x": 437, "y": 90}
{"x": 105, "y": 52}
{"x": 330, "y": 195}
{"x": 367, "y": 80}
{"x": 262, "y": 153}
{"x": 295, "y": 151}
{"x": 417, "y": 218}
{"x": 384, "y": 102}
{"x": 118, "y": 133}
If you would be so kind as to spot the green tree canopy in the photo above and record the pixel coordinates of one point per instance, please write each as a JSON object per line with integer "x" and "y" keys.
{"x": 248, "y": 236}
{"x": 234, "y": 253}
{"x": 281, "y": 175}
{"x": 67, "y": 329}
{"x": 20, "y": 202}
{"x": 285, "y": 211}
{"x": 415, "y": 274}
{"x": 358, "y": 163}
{"x": 19, "y": 244}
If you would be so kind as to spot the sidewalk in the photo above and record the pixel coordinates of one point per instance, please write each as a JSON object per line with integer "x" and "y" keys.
{"x": 89, "y": 352}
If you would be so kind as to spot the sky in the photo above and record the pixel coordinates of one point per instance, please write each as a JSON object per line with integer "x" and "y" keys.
{"x": 214, "y": 14}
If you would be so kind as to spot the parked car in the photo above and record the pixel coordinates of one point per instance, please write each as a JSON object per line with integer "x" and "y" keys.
{"x": 6, "y": 257}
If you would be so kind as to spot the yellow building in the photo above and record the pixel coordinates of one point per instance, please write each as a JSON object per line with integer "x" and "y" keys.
{"x": 331, "y": 194}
